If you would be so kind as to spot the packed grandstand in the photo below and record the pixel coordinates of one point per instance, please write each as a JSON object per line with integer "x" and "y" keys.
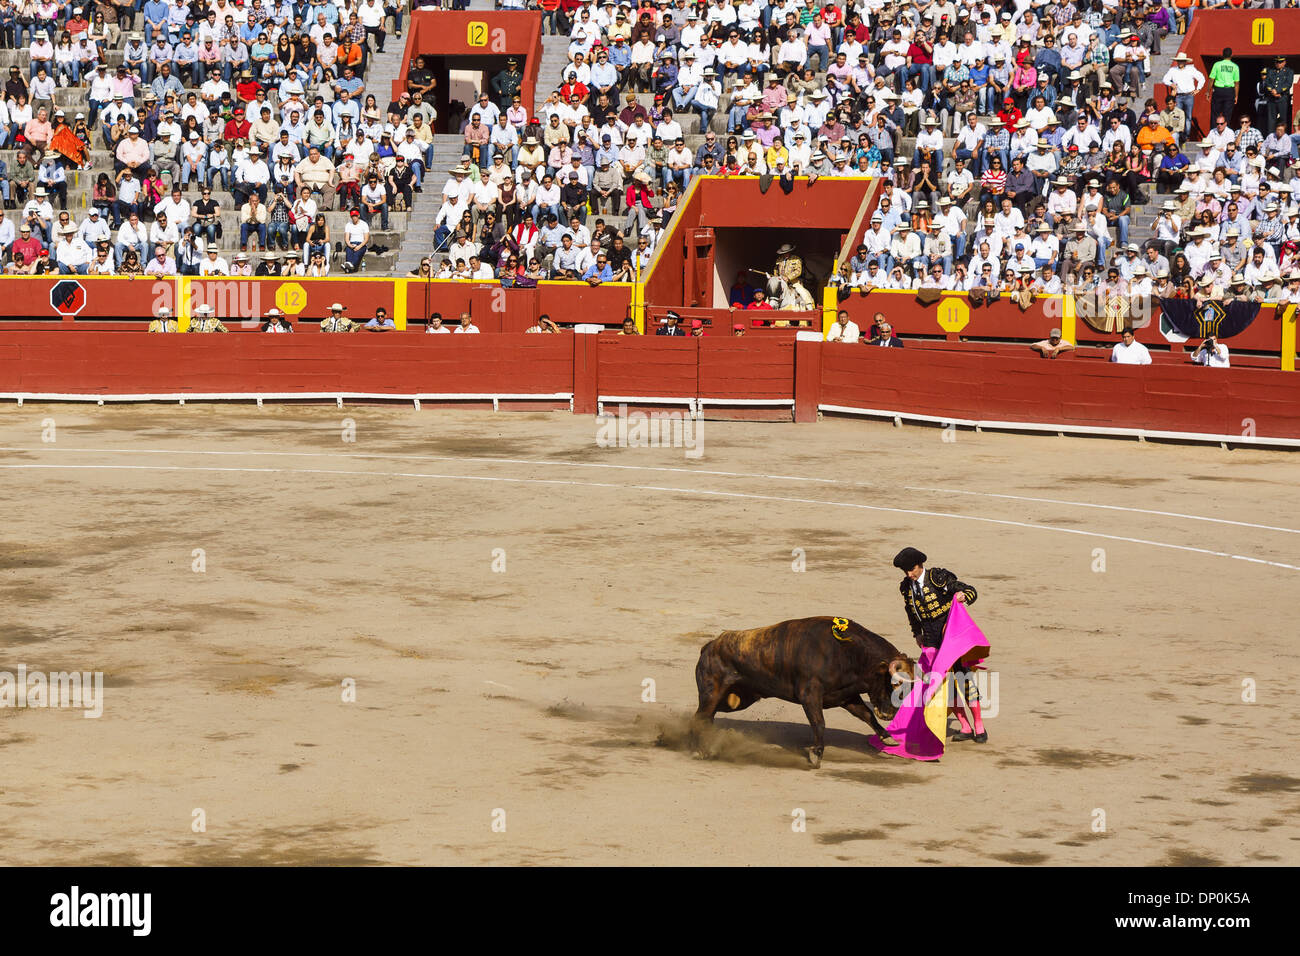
{"x": 1021, "y": 147}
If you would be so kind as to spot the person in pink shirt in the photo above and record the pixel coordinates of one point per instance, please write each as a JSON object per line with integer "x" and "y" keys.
{"x": 38, "y": 130}
{"x": 774, "y": 96}
{"x": 818, "y": 38}
{"x": 125, "y": 84}
{"x": 133, "y": 153}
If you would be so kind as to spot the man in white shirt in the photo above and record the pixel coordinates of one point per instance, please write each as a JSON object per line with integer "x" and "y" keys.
{"x": 1130, "y": 351}
{"x": 844, "y": 330}
{"x": 1212, "y": 354}
{"x": 356, "y": 239}
{"x": 1009, "y": 219}
{"x": 94, "y": 230}
{"x": 1184, "y": 81}
{"x": 1083, "y": 135}
{"x": 968, "y": 141}
{"x": 466, "y": 325}
{"x": 176, "y": 208}
{"x": 214, "y": 264}
{"x": 164, "y": 233}
{"x": 72, "y": 254}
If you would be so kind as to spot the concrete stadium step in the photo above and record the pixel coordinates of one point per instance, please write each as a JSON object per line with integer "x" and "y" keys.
{"x": 447, "y": 151}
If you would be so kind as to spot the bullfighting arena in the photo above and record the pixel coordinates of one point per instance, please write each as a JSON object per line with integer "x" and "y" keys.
{"x": 521, "y": 610}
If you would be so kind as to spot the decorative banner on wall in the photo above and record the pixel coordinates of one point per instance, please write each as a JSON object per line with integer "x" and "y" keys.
{"x": 1201, "y": 319}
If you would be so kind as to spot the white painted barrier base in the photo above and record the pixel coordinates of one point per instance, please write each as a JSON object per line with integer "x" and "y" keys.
{"x": 259, "y": 397}
{"x": 1141, "y": 434}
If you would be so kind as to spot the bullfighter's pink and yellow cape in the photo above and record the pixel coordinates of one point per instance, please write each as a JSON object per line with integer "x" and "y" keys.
{"x": 922, "y": 721}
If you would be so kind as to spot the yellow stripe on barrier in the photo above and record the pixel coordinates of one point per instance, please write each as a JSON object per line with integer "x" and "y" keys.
{"x": 400, "y": 287}
{"x": 1288, "y": 339}
{"x": 638, "y": 300}
{"x": 1068, "y": 319}
{"x": 830, "y": 303}
{"x": 182, "y": 309}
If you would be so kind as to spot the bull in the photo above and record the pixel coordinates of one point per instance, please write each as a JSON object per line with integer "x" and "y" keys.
{"x": 817, "y": 662}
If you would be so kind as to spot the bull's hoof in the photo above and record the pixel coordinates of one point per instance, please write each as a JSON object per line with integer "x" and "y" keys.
{"x": 814, "y": 758}
{"x": 888, "y": 741}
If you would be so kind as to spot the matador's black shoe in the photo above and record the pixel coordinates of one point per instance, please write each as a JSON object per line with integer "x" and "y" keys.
{"x": 982, "y": 737}
{"x": 962, "y": 735}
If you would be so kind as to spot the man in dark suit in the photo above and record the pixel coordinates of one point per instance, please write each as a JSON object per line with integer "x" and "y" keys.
{"x": 673, "y": 327}
{"x": 884, "y": 334}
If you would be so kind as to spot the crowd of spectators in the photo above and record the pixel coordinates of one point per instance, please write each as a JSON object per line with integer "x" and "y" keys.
{"x": 1032, "y": 138}
{"x": 1017, "y": 144}
{"x": 258, "y": 108}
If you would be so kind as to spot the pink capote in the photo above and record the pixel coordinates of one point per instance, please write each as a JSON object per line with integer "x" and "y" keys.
{"x": 962, "y": 641}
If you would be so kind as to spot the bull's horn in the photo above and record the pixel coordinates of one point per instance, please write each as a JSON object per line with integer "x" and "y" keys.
{"x": 896, "y": 665}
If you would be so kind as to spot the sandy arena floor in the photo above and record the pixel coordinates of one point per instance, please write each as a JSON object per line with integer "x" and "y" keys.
{"x": 482, "y": 690}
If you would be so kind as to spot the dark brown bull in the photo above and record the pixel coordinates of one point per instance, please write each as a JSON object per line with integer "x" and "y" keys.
{"x": 817, "y": 662}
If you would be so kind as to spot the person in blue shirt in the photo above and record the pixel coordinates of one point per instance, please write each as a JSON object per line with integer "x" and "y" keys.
{"x": 620, "y": 54}
{"x": 381, "y": 322}
{"x": 599, "y": 271}
{"x": 979, "y": 79}
{"x": 604, "y": 77}
{"x": 607, "y": 152}
{"x": 1048, "y": 63}
{"x": 348, "y": 82}
{"x": 156, "y": 14}
{"x": 1173, "y": 167}
{"x": 165, "y": 82}
{"x": 185, "y": 55}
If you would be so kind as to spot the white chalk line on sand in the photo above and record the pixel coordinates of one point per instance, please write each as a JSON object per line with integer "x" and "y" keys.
{"x": 659, "y": 489}
{"x": 1088, "y": 504}
{"x": 394, "y": 457}
{"x": 657, "y": 468}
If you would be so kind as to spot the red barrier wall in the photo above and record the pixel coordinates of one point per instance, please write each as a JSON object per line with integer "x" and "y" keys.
{"x": 396, "y": 363}
{"x": 1091, "y": 393}
{"x": 647, "y": 366}
{"x": 944, "y": 383}
{"x": 736, "y": 202}
{"x": 665, "y": 285}
{"x": 748, "y": 367}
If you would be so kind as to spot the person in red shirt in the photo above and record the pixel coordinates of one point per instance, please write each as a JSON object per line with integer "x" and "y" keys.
{"x": 1009, "y": 114}
{"x": 568, "y": 10}
{"x": 77, "y": 24}
{"x": 548, "y": 14}
{"x": 920, "y": 62}
{"x": 638, "y": 199}
{"x": 759, "y": 304}
{"x": 237, "y": 127}
{"x": 572, "y": 88}
{"x": 856, "y": 28}
{"x": 833, "y": 17}
{"x": 247, "y": 87}
{"x": 26, "y": 244}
